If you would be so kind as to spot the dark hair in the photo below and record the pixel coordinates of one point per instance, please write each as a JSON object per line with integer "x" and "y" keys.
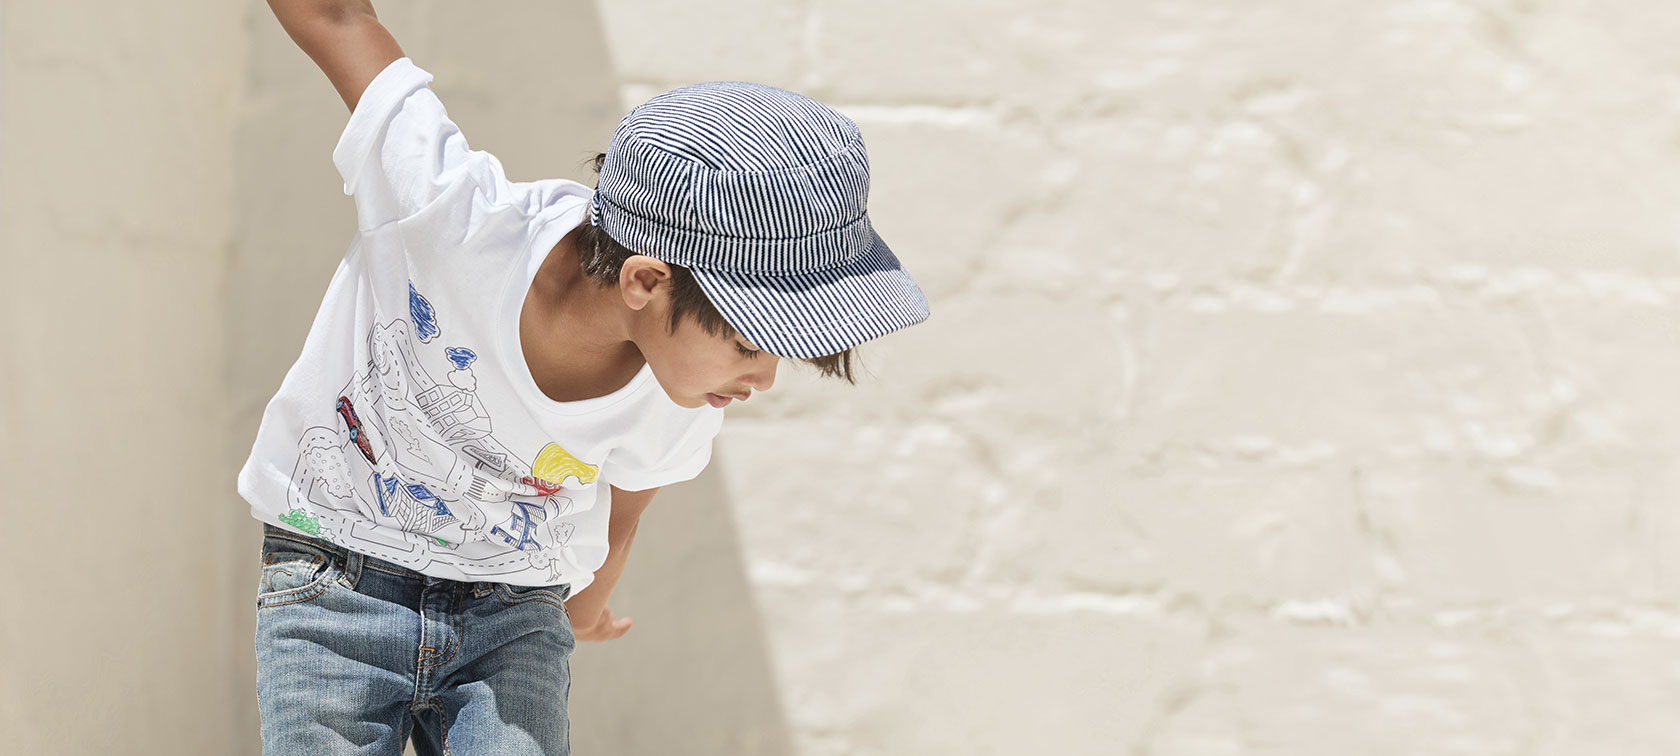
{"x": 601, "y": 259}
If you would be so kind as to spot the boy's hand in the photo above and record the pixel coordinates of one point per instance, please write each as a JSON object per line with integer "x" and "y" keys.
{"x": 605, "y": 627}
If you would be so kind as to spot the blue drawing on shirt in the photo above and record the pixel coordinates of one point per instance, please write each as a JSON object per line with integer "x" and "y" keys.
{"x": 524, "y": 523}
{"x": 425, "y": 320}
{"x": 461, "y": 356}
{"x": 413, "y": 505}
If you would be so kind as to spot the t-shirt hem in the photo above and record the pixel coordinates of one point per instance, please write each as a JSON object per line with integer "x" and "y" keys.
{"x": 439, "y": 567}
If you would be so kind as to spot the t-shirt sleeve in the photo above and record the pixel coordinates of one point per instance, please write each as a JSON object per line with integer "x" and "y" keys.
{"x": 399, "y": 150}
{"x": 663, "y": 459}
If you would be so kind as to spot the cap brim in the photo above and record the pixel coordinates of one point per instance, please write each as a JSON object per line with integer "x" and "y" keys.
{"x": 822, "y": 312}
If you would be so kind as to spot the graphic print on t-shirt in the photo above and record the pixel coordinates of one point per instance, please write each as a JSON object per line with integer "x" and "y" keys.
{"x": 425, "y": 322}
{"x": 416, "y": 455}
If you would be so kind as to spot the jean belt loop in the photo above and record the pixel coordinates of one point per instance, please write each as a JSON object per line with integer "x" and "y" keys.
{"x": 352, "y": 568}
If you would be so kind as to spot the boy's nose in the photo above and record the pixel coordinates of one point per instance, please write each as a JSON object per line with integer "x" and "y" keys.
{"x": 764, "y": 377}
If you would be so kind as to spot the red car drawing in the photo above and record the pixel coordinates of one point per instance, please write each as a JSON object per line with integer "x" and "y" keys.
{"x": 347, "y": 411}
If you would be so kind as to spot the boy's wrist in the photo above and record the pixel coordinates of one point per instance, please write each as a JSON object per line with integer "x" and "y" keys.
{"x": 584, "y": 612}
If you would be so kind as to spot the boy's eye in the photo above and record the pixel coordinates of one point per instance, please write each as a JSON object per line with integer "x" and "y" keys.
{"x": 745, "y": 351}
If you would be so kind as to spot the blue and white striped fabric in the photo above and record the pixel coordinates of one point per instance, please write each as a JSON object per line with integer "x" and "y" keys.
{"x": 762, "y": 194}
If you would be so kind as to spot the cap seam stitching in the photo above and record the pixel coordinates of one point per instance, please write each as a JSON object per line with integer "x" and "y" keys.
{"x": 662, "y": 224}
{"x": 846, "y": 150}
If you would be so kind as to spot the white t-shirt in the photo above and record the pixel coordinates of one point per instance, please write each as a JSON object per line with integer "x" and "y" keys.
{"x": 410, "y": 428}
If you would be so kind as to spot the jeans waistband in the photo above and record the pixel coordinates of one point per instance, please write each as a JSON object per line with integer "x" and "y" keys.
{"x": 354, "y": 560}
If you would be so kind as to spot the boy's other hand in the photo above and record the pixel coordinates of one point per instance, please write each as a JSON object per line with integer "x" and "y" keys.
{"x": 605, "y": 627}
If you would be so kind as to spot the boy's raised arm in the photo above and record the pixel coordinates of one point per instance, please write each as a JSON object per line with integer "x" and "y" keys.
{"x": 343, "y": 37}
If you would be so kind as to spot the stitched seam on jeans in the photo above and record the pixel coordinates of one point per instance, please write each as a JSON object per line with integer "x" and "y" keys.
{"x": 268, "y": 578}
{"x": 317, "y": 543}
{"x": 422, "y": 673}
{"x": 348, "y": 579}
{"x": 269, "y": 602}
{"x": 313, "y": 559}
{"x": 368, "y": 563}
{"x": 303, "y": 592}
{"x": 457, "y": 624}
{"x": 543, "y": 594}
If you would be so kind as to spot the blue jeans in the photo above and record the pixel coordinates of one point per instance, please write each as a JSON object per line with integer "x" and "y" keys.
{"x": 354, "y": 653}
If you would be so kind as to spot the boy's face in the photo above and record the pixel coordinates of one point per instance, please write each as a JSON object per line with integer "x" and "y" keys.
{"x": 697, "y": 368}
{"x": 694, "y": 367}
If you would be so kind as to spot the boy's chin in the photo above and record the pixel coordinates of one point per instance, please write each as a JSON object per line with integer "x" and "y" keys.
{"x": 689, "y": 401}
{"x": 706, "y": 400}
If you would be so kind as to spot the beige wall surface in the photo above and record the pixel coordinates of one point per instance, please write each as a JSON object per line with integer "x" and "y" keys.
{"x": 116, "y": 225}
{"x": 1300, "y": 378}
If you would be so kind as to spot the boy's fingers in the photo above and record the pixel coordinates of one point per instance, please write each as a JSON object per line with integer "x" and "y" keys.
{"x": 608, "y": 628}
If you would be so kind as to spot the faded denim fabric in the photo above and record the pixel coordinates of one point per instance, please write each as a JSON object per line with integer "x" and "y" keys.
{"x": 355, "y": 654}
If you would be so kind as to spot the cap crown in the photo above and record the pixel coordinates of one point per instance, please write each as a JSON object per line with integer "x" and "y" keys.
{"x": 738, "y": 177}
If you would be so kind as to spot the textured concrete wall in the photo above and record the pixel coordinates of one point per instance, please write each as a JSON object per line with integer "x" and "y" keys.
{"x": 1299, "y": 381}
{"x": 116, "y": 217}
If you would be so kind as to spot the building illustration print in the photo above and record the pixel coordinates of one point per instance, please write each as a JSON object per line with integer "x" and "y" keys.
{"x": 419, "y": 454}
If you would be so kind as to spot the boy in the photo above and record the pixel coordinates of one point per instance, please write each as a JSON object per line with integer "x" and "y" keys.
{"x": 502, "y": 374}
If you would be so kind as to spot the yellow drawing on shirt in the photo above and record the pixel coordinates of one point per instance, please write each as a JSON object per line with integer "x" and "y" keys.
{"x": 555, "y": 463}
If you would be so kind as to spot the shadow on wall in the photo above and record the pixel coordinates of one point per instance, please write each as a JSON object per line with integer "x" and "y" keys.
{"x": 531, "y": 82}
{"x": 693, "y": 675}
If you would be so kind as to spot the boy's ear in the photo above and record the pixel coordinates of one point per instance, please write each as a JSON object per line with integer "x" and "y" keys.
{"x": 642, "y": 279}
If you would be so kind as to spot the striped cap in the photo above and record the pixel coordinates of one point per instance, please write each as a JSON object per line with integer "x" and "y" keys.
{"x": 761, "y": 193}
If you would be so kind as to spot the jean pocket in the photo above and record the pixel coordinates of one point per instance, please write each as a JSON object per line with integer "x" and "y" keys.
{"x": 513, "y": 595}
{"x": 295, "y": 570}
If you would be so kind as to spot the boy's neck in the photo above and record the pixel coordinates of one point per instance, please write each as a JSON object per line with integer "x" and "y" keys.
{"x": 574, "y": 332}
